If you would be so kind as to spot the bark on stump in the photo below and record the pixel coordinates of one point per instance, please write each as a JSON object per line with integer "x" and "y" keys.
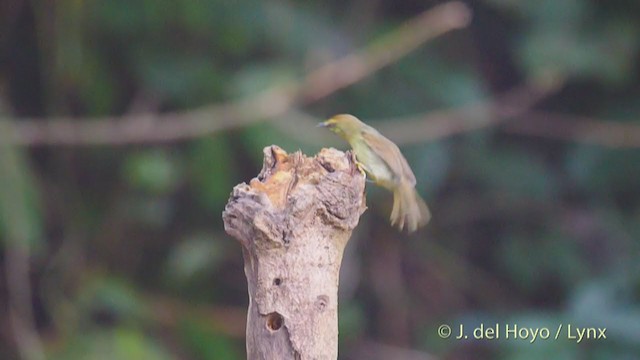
{"x": 293, "y": 222}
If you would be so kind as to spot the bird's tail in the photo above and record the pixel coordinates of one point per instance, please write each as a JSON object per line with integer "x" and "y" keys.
{"x": 409, "y": 210}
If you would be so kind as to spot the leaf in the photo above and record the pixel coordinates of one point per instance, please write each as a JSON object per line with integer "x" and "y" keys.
{"x": 20, "y": 219}
{"x": 154, "y": 171}
{"x": 512, "y": 172}
{"x": 98, "y": 85}
{"x": 430, "y": 78}
{"x": 123, "y": 343}
{"x": 187, "y": 80}
{"x": 564, "y": 37}
{"x": 212, "y": 168}
{"x": 296, "y": 30}
{"x": 531, "y": 260}
{"x": 608, "y": 303}
{"x": 566, "y": 14}
{"x": 605, "y": 172}
{"x": 112, "y": 296}
{"x": 351, "y": 321}
{"x": 256, "y": 78}
{"x": 525, "y": 349}
{"x": 603, "y": 54}
{"x": 197, "y": 254}
{"x": 205, "y": 343}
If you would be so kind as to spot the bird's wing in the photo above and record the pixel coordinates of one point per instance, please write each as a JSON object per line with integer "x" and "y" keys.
{"x": 389, "y": 153}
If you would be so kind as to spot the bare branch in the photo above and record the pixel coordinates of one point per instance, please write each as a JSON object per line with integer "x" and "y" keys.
{"x": 576, "y": 128}
{"x": 441, "y": 124}
{"x": 319, "y": 83}
{"x": 434, "y": 125}
{"x": 386, "y": 50}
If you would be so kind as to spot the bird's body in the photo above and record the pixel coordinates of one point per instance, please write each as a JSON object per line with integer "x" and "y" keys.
{"x": 386, "y": 166}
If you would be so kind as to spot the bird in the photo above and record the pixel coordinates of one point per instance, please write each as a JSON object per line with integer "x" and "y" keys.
{"x": 385, "y": 165}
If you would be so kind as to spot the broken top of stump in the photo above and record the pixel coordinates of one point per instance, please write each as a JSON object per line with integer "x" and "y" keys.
{"x": 293, "y": 221}
{"x": 289, "y": 187}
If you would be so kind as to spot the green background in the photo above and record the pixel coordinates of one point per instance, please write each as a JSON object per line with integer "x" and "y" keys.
{"x": 116, "y": 250}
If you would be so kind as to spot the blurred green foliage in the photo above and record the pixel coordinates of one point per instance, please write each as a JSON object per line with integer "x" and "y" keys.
{"x": 20, "y": 219}
{"x": 130, "y": 250}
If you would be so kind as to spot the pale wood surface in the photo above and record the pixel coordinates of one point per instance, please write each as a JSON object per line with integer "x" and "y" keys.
{"x": 293, "y": 222}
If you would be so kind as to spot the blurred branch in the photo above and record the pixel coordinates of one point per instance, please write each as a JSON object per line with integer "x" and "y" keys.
{"x": 576, "y": 128}
{"x": 269, "y": 104}
{"x": 515, "y": 104}
{"x": 441, "y": 124}
{"x": 386, "y": 50}
{"x": 435, "y": 125}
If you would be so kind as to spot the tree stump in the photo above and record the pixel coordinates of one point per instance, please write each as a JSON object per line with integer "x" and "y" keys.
{"x": 293, "y": 222}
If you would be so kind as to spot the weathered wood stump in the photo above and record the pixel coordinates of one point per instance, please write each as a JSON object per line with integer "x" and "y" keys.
{"x": 293, "y": 222}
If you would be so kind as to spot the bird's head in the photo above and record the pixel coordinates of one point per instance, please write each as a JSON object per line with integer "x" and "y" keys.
{"x": 344, "y": 125}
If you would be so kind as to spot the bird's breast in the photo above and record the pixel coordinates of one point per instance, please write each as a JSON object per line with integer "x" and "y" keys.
{"x": 374, "y": 165}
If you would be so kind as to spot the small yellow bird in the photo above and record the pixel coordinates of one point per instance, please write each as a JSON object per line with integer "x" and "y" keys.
{"x": 385, "y": 165}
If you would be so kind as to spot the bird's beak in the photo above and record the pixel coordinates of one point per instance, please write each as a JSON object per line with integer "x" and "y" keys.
{"x": 322, "y": 124}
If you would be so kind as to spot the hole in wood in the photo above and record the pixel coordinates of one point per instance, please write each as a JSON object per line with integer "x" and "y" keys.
{"x": 274, "y": 321}
{"x": 321, "y": 302}
{"x": 277, "y": 281}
